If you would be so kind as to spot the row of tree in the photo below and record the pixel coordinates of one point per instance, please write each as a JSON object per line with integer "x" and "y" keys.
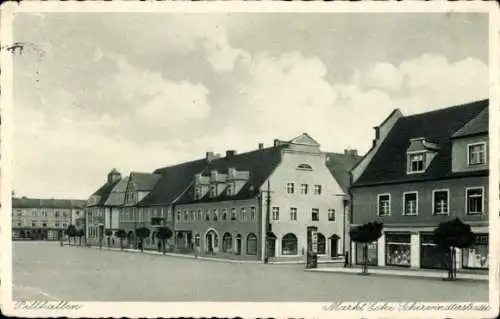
{"x": 73, "y": 232}
{"x": 162, "y": 234}
{"x": 447, "y": 236}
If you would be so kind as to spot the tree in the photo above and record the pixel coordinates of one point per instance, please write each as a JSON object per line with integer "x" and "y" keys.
{"x": 71, "y": 232}
{"x": 108, "y": 233}
{"x": 449, "y": 235}
{"x": 121, "y": 233}
{"x": 366, "y": 234}
{"x": 142, "y": 233}
{"x": 163, "y": 234}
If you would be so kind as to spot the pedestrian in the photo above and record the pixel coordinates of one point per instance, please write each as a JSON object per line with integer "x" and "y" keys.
{"x": 196, "y": 251}
{"x": 346, "y": 259}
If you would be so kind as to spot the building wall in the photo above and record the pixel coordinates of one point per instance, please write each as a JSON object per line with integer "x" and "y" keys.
{"x": 220, "y": 227}
{"x": 365, "y": 202}
{"x": 460, "y": 155}
{"x": 25, "y": 217}
{"x": 331, "y": 197}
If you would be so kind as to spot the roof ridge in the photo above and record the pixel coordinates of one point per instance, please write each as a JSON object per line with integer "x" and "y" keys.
{"x": 438, "y": 110}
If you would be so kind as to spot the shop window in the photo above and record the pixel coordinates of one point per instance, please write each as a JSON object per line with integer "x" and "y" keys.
{"x": 372, "y": 254}
{"x": 251, "y": 244}
{"x": 432, "y": 256}
{"x": 321, "y": 244}
{"x": 398, "y": 252}
{"x": 476, "y": 256}
{"x": 289, "y": 245}
{"x": 227, "y": 243}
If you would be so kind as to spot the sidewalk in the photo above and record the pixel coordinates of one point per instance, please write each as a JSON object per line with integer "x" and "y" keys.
{"x": 417, "y": 273}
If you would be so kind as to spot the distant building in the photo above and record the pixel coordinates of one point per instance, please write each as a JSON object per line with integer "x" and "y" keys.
{"x": 424, "y": 169}
{"x": 44, "y": 219}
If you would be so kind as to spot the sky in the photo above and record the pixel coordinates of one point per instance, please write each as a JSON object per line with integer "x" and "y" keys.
{"x": 139, "y": 91}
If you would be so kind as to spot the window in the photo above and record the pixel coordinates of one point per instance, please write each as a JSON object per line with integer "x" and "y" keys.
{"x": 213, "y": 190}
{"x": 243, "y": 212}
{"x": 317, "y": 189}
{"x": 384, "y": 205}
{"x": 331, "y": 215}
{"x": 289, "y": 245}
{"x": 475, "y": 200}
{"x": 44, "y": 224}
{"x": 215, "y": 214}
{"x": 276, "y": 213}
{"x": 251, "y": 244}
{"x": 304, "y": 167}
{"x": 230, "y": 189}
{"x": 224, "y": 214}
{"x": 303, "y": 189}
{"x": 293, "y": 213}
{"x": 440, "y": 202}
{"x": 186, "y": 216}
{"x": 321, "y": 244}
{"x": 64, "y": 225}
{"x": 207, "y": 215}
{"x": 416, "y": 163}
{"x": 34, "y": 214}
{"x": 19, "y": 223}
{"x": 193, "y": 216}
{"x": 200, "y": 213}
{"x": 410, "y": 201}
{"x": 178, "y": 215}
{"x": 476, "y": 153}
{"x": 252, "y": 213}
{"x": 290, "y": 188}
{"x": 233, "y": 213}
{"x": 44, "y": 214}
{"x": 315, "y": 214}
{"x": 197, "y": 192}
{"x": 19, "y": 213}
{"x": 227, "y": 243}
{"x": 33, "y": 224}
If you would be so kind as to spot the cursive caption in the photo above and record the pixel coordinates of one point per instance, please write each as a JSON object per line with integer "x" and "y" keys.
{"x": 47, "y": 305}
{"x": 405, "y": 306}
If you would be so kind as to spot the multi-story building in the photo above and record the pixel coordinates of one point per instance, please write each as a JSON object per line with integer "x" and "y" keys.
{"x": 258, "y": 205}
{"x": 424, "y": 169}
{"x": 44, "y": 219}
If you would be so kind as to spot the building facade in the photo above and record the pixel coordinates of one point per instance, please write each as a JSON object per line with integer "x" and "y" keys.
{"x": 44, "y": 219}
{"x": 422, "y": 170}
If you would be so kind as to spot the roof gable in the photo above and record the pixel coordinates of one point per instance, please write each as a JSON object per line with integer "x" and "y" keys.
{"x": 117, "y": 195}
{"x": 304, "y": 139}
{"x": 143, "y": 181}
{"x": 478, "y": 125}
{"x": 437, "y": 127}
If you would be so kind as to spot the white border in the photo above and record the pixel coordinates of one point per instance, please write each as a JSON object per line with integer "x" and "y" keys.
{"x": 469, "y": 165}
{"x": 447, "y": 190}
{"x": 205, "y": 309}
{"x": 404, "y": 203}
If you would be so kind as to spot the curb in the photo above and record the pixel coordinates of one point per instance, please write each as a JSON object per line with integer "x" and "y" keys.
{"x": 387, "y": 274}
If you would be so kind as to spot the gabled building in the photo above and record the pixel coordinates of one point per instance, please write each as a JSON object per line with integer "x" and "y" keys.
{"x": 424, "y": 169}
{"x": 258, "y": 205}
{"x": 44, "y": 219}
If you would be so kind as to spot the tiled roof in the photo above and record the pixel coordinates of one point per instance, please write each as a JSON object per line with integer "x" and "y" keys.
{"x": 117, "y": 195}
{"x": 340, "y": 165}
{"x": 144, "y": 181}
{"x": 478, "y": 125}
{"x": 259, "y": 163}
{"x": 389, "y": 163}
{"x": 173, "y": 181}
{"x": 24, "y": 202}
{"x": 103, "y": 193}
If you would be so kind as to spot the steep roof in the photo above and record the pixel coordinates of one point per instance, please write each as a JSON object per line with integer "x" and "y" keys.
{"x": 173, "y": 181}
{"x": 340, "y": 164}
{"x": 478, "y": 125}
{"x": 144, "y": 181}
{"x": 103, "y": 193}
{"x": 117, "y": 195}
{"x": 25, "y": 202}
{"x": 389, "y": 163}
{"x": 259, "y": 163}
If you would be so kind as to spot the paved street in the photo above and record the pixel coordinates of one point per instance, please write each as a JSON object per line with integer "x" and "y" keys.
{"x": 46, "y": 271}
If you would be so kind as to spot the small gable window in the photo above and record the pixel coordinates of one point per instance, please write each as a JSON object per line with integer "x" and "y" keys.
{"x": 416, "y": 162}
{"x": 305, "y": 167}
{"x": 477, "y": 154}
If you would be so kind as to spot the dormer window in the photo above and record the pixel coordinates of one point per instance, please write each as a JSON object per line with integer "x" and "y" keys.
{"x": 213, "y": 190}
{"x": 304, "y": 167}
{"x": 197, "y": 192}
{"x": 230, "y": 190}
{"x": 416, "y": 162}
{"x": 476, "y": 153}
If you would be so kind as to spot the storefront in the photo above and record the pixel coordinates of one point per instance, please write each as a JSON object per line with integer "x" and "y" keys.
{"x": 431, "y": 256}
{"x": 476, "y": 256}
{"x": 372, "y": 255}
{"x": 398, "y": 249}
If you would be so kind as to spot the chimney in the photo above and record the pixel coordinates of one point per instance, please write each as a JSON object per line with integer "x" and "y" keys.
{"x": 377, "y": 132}
{"x": 276, "y": 142}
{"x": 230, "y": 153}
{"x": 261, "y": 146}
{"x": 210, "y": 156}
{"x": 351, "y": 152}
{"x": 114, "y": 176}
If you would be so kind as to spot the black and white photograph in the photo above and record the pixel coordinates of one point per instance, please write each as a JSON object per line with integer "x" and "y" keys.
{"x": 249, "y": 159}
